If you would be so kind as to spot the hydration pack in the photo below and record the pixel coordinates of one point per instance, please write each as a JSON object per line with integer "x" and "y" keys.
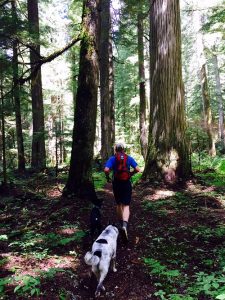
{"x": 121, "y": 171}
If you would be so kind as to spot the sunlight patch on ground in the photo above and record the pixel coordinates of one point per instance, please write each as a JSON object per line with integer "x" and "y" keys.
{"x": 160, "y": 194}
{"x": 198, "y": 188}
{"x": 54, "y": 193}
{"x": 67, "y": 231}
{"x": 27, "y": 265}
{"x": 163, "y": 194}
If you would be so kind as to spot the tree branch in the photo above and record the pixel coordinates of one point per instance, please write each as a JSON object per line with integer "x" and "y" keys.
{"x": 47, "y": 59}
{"x": 19, "y": 41}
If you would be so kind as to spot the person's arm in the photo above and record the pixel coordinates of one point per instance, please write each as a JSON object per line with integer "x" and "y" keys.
{"x": 135, "y": 167}
{"x": 136, "y": 170}
{"x": 107, "y": 169}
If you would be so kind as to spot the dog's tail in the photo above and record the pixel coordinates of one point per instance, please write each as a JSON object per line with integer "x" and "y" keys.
{"x": 91, "y": 259}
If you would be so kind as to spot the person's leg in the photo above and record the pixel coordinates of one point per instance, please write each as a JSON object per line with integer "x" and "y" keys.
{"x": 122, "y": 192}
{"x": 123, "y": 213}
{"x": 119, "y": 211}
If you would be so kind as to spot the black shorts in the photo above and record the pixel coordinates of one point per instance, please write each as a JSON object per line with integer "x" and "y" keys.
{"x": 122, "y": 191}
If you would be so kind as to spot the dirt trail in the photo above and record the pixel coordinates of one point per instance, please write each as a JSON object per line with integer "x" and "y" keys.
{"x": 130, "y": 281}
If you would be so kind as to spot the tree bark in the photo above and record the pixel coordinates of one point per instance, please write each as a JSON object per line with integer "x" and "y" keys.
{"x": 105, "y": 64}
{"x": 219, "y": 99}
{"x": 167, "y": 156}
{"x": 3, "y": 136}
{"x": 142, "y": 90}
{"x": 207, "y": 110}
{"x": 111, "y": 89}
{"x": 80, "y": 173}
{"x": 16, "y": 96}
{"x": 38, "y": 161}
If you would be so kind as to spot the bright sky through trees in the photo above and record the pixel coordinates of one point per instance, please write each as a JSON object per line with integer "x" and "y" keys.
{"x": 200, "y": 3}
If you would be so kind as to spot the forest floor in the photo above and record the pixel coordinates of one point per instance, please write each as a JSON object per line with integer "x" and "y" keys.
{"x": 176, "y": 246}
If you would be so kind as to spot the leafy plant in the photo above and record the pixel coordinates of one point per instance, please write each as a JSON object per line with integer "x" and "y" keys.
{"x": 62, "y": 294}
{"x": 157, "y": 268}
{"x": 221, "y": 296}
{"x": 3, "y": 237}
{"x": 209, "y": 284}
{"x": 179, "y": 297}
{"x": 3, "y": 261}
{"x": 99, "y": 180}
{"x": 3, "y": 283}
{"x": 53, "y": 239}
{"x": 29, "y": 285}
{"x": 52, "y": 272}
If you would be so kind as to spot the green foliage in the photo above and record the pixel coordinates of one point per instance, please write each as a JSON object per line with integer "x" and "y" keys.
{"x": 3, "y": 261}
{"x": 99, "y": 180}
{"x": 220, "y": 254}
{"x": 197, "y": 138}
{"x": 216, "y": 19}
{"x": 158, "y": 269}
{"x": 183, "y": 268}
{"x": 200, "y": 283}
{"x": 62, "y": 294}
{"x": 41, "y": 244}
{"x": 51, "y": 273}
{"x": 179, "y": 297}
{"x": 3, "y": 283}
{"x": 126, "y": 95}
{"x": 208, "y": 284}
{"x": 27, "y": 285}
{"x": 30, "y": 285}
{"x": 136, "y": 178}
{"x": 3, "y": 237}
{"x": 201, "y": 161}
{"x": 210, "y": 169}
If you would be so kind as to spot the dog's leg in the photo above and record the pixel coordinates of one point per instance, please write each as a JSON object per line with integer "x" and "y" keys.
{"x": 114, "y": 264}
{"x": 95, "y": 272}
{"x": 100, "y": 284}
{"x": 114, "y": 259}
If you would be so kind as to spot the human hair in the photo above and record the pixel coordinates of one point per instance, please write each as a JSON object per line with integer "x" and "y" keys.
{"x": 119, "y": 147}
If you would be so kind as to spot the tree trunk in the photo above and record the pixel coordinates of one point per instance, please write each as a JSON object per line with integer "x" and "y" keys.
{"x": 142, "y": 90}
{"x": 167, "y": 156}
{"x": 3, "y": 137}
{"x": 38, "y": 142}
{"x": 220, "y": 100}
{"x": 80, "y": 173}
{"x": 16, "y": 96}
{"x": 105, "y": 81}
{"x": 111, "y": 90}
{"x": 207, "y": 110}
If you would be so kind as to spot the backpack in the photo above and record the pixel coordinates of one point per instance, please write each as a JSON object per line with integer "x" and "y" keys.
{"x": 121, "y": 171}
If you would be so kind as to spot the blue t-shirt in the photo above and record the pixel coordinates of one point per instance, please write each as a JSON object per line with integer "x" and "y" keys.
{"x": 111, "y": 163}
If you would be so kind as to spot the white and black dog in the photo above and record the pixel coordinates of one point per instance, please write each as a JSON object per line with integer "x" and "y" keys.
{"x": 103, "y": 251}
